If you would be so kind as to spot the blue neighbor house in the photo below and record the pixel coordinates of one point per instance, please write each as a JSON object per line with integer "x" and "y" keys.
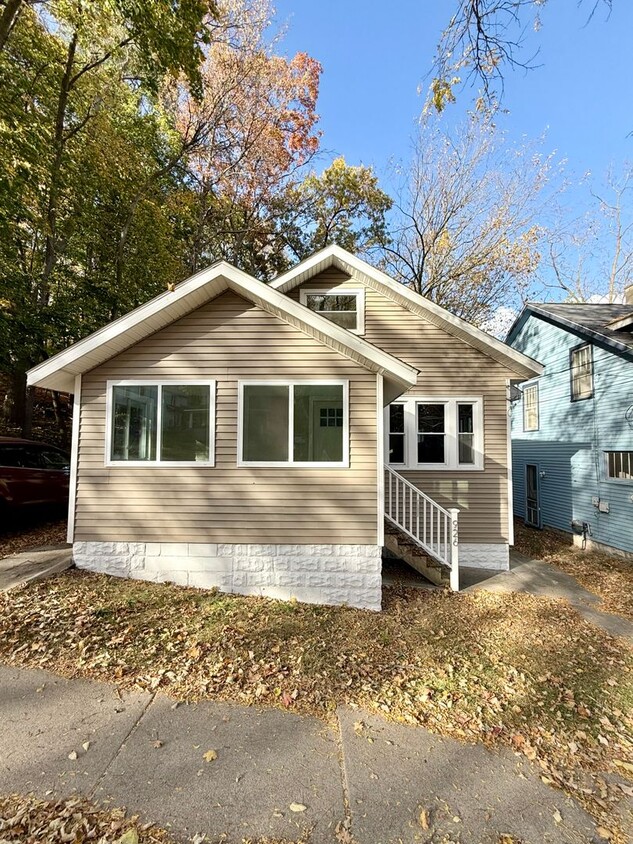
{"x": 572, "y": 427}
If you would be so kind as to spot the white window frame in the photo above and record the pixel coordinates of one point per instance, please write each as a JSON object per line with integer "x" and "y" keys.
{"x": 159, "y": 382}
{"x": 451, "y": 425}
{"x": 388, "y": 434}
{"x": 533, "y": 385}
{"x": 291, "y": 384}
{"x": 574, "y": 371}
{"x": 359, "y": 292}
{"x": 607, "y": 476}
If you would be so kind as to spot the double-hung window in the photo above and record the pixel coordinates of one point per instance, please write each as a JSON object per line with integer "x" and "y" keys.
{"x": 153, "y": 423}
{"x": 581, "y": 366}
{"x": 293, "y": 423}
{"x": 436, "y": 433}
{"x": 530, "y": 408}
{"x": 340, "y": 305}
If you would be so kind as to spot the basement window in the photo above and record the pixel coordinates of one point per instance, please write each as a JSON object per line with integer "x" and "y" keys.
{"x": 153, "y": 423}
{"x": 619, "y": 465}
{"x": 340, "y": 305}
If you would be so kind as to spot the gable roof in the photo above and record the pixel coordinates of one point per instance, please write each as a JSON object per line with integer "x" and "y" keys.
{"x": 335, "y": 256}
{"x": 59, "y": 371}
{"x": 596, "y": 323}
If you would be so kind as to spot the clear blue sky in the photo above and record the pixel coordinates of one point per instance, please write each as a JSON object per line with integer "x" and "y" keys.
{"x": 375, "y": 55}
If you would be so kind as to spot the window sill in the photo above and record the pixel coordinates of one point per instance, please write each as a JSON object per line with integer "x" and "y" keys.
{"x": 159, "y": 464}
{"x": 435, "y": 467}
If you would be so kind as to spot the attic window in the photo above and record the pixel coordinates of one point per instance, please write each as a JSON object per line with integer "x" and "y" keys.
{"x": 340, "y": 305}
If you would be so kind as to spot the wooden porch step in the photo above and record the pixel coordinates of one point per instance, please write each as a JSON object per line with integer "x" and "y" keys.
{"x": 407, "y": 549}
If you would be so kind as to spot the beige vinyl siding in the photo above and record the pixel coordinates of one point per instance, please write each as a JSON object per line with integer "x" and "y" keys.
{"x": 448, "y": 367}
{"x": 228, "y": 340}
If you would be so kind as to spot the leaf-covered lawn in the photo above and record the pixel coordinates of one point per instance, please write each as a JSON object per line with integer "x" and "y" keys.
{"x": 32, "y": 533}
{"x": 25, "y": 819}
{"x": 608, "y": 576}
{"x": 525, "y": 671}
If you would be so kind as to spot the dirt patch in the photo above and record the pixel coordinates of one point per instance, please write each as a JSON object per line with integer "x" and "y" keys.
{"x": 515, "y": 669}
{"x": 608, "y": 576}
{"x": 31, "y": 533}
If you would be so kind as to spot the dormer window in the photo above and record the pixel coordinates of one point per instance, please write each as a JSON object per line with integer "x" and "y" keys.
{"x": 340, "y": 305}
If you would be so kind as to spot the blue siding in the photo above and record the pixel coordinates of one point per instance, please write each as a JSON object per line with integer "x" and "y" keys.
{"x": 573, "y": 436}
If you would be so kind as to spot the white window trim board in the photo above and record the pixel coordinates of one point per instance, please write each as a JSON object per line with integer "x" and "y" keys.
{"x": 411, "y": 434}
{"x": 291, "y": 383}
{"x": 158, "y": 463}
{"x": 380, "y": 467}
{"x": 359, "y": 292}
{"x": 74, "y": 458}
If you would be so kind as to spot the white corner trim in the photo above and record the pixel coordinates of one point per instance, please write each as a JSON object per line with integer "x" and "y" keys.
{"x": 74, "y": 457}
{"x": 158, "y": 463}
{"x": 380, "y": 463}
{"x": 359, "y": 292}
{"x": 291, "y": 384}
{"x": 336, "y": 256}
{"x": 509, "y": 464}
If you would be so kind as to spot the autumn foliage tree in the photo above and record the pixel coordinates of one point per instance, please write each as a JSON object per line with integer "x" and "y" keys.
{"x": 467, "y": 225}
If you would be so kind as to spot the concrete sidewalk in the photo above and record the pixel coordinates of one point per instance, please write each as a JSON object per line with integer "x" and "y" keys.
{"x": 540, "y": 578}
{"x": 33, "y": 565}
{"x": 363, "y": 776}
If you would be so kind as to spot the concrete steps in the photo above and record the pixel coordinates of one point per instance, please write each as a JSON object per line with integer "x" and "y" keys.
{"x": 407, "y": 549}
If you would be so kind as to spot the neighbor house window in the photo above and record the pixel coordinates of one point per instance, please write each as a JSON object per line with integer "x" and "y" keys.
{"x": 160, "y": 423}
{"x": 581, "y": 365}
{"x": 342, "y": 306}
{"x": 620, "y": 465}
{"x": 293, "y": 423}
{"x": 530, "y": 408}
{"x": 436, "y": 433}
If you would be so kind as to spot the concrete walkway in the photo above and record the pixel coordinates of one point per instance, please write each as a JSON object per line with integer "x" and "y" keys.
{"x": 540, "y": 578}
{"x": 33, "y": 565}
{"x": 360, "y": 781}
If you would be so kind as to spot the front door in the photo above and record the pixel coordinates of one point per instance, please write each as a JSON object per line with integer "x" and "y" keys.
{"x": 532, "y": 504}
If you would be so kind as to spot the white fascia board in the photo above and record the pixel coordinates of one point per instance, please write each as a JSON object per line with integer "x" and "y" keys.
{"x": 59, "y": 371}
{"x": 345, "y": 261}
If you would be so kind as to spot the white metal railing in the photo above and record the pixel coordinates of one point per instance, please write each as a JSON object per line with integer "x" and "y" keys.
{"x": 433, "y": 527}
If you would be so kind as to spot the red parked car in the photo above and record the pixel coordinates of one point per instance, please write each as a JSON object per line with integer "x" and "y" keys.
{"x": 32, "y": 473}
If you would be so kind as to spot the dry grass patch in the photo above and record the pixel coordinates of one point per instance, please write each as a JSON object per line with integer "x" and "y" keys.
{"x": 524, "y": 671}
{"x": 608, "y": 576}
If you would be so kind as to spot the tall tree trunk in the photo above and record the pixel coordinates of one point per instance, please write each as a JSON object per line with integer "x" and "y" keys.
{"x": 8, "y": 20}
{"x": 59, "y": 143}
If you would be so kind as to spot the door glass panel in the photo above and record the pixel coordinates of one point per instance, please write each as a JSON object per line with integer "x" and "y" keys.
{"x": 318, "y": 423}
{"x": 185, "y": 422}
{"x": 531, "y": 495}
{"x": 265, "y": 423}
{"x": 134, "y": 423}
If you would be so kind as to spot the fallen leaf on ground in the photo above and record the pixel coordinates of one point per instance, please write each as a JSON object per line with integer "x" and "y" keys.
{"x": 210, "y": 756}
{"x": 424, "y": 818}
{"x": 72, "y": 755}
{"x": 297, "y": 807}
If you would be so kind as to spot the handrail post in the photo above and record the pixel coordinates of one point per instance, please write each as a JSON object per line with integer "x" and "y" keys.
{"x": 454, "y": 578}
